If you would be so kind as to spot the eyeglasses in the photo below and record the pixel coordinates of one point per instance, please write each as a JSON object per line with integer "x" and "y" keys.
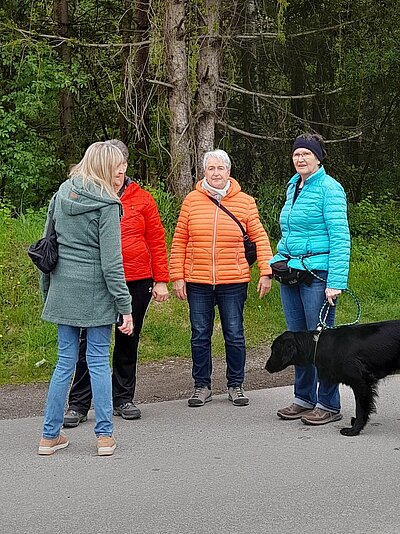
{"x": 304, "y": 155}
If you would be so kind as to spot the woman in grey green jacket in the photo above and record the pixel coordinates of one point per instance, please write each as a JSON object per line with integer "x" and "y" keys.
{"x": 86, "y": 289}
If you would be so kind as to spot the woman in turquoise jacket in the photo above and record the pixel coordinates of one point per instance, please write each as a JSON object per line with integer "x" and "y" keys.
{"x": 86, "y": 289}
{"x": 315, "y": 237}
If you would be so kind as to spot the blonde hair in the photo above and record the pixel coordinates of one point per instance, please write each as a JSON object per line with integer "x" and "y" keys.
{"x": 99, "y": 166}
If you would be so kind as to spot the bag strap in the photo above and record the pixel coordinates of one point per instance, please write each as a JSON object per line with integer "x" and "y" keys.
{"x": 245, "y": 236}
{"x": 51, "y": 225}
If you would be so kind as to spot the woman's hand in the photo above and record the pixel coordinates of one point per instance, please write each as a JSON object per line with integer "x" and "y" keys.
{"x": 264, "y": 286}
{"x": 160, "y": 292}
{"x": 127, "y": 325}
{"x": 180, "y": 289}
{"x": 332, "y": 294}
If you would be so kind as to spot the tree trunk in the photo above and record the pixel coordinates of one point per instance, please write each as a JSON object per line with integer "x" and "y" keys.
{"x": 126, "y": 25}
{"x": 180, "y": 178}
{"x": 208, "y": 78}
{"x": 65, "y": 102}
{"x": 250, "y": 105}
{"x": 142, "y": 140}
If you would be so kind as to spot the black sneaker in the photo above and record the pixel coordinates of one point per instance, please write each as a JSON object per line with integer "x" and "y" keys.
{"x": 127, "y": 410}
{"x": 73, "y": 418}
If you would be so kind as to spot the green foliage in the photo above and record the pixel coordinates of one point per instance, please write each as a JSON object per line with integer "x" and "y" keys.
{"x": 270, "y": 198}
{"x": 319, "y": 47}
{"x": 371, "y": 218}
{"x": 28, "y": 106}
{"x": 168, "y": 206}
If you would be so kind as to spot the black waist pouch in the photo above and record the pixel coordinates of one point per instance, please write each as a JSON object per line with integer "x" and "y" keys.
{"x": 289, "y": 276}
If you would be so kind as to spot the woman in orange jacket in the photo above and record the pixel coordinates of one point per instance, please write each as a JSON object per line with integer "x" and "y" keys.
{"x": 208, "y": 267}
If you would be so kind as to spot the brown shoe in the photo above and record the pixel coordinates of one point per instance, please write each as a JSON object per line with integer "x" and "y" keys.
{"x": 106, "y": 445}
{"x": 50, "y": 446}
{"x": 318, "y": 416}
{"x": 294, "y": 411}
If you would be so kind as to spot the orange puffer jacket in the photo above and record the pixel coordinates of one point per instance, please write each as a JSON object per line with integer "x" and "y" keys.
{"x": 144, "y": 251}
{"x": 207, "y": 247}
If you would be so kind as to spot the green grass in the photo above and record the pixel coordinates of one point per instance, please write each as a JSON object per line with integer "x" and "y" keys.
{"x": 26, "y": 339}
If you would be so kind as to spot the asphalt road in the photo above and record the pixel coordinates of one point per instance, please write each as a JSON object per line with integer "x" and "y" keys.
{"x": 216, "y": 469}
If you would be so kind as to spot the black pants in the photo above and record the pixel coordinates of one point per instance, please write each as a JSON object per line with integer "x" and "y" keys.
{"x": 125, "y": 356}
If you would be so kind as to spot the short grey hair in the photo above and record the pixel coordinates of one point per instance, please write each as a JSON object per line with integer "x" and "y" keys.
{"x": 122, "y": 146}
{"x": 218, "y": 154}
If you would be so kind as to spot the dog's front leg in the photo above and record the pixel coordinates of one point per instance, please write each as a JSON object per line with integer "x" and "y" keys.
{"x": 363, "y": 394}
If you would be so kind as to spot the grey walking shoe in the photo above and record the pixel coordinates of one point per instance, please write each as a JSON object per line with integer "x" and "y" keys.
{"x": 127, "y": 410}
{"x": 200, "y": 396}
{"x": 237, "y": 396}
{"x": 72, "y": 418}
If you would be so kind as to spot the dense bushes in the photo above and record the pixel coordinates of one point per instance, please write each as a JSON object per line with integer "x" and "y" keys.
{"x": 375, "y": 219}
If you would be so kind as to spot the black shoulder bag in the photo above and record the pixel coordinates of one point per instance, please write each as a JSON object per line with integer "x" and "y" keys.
{"x": 44, "y": 253}
{"x": 250, "y": 248}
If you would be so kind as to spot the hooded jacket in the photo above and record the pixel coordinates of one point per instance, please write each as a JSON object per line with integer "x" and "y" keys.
{"x": 87, "y": 287}
{"x": 144, "y": 250}
{"x": 207, "y": 247}
{"x": 315, "y": 224}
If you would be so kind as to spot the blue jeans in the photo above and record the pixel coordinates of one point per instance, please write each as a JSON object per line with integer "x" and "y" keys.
{"x": 301, "y": 306}
{"x": 98, "y": 360}
{"x": 230, "y": 299}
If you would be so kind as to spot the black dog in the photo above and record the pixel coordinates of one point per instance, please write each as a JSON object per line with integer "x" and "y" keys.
{"x": 357, "y": 356}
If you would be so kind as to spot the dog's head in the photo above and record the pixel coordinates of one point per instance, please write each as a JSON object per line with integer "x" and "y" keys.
{"x": 284, "y": 352}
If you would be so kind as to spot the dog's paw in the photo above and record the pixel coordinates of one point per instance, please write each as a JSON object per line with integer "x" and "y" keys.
{"x": 351, "y": 431}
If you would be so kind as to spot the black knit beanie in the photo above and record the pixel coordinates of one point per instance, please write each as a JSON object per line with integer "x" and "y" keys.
{"x": 310, "y": 144}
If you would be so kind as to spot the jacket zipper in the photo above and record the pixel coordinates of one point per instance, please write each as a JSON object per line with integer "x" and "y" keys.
{"x": 288, "y": 224}
{"x": 214, "y": 243}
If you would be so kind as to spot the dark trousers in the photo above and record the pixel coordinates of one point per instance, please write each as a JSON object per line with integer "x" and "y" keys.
{"x": 125, "y": 356}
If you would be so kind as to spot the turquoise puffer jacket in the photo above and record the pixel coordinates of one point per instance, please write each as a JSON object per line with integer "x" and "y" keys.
{"x": 316, "y": 224}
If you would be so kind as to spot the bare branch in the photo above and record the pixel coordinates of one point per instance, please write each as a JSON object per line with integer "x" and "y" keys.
{"x": 69, "y": 40}
{"x": 268, "y": 35}
{"x": 159, "y": 82}
{"x": 273, "y": 35}
{"x": 267, "y": 138}
{"x": 278, "y": 97}
{"x": 326, "y": 29}
{"x": 248, "y": 134}
{"x": 343, "y": 139}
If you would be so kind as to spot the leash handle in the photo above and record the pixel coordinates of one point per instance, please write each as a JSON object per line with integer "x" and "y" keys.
{"x": 322, "y": 320}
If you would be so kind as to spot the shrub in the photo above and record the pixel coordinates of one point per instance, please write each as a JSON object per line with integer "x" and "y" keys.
{"x": 369, "y": 219}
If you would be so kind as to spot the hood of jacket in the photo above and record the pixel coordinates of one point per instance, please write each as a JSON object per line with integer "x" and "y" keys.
{"x": 75, "y": 198}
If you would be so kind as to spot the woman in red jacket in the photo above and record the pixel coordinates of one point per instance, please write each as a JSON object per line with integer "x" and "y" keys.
{"x": 144, "y": 254}
{"x": 208, "y": 267}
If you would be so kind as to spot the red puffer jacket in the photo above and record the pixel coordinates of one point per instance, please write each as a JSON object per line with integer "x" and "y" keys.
{"x": 144, "y": 251}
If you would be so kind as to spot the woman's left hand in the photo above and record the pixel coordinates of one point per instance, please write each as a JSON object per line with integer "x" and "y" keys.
{"x": 127, "y": 324}
{"x": 264, "y": 286}
{"x": 332, "y": 294}
{"x": 160, "y": 292}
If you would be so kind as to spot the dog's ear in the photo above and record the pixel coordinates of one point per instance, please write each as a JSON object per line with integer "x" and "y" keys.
{"x": 283, "y": 353}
